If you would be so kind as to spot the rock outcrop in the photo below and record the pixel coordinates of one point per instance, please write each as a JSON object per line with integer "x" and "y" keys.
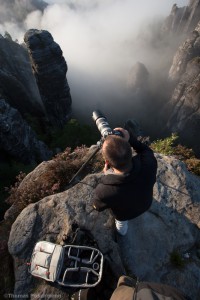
{"x": 17, "y": 82}
{"x": 53, "y": 219}
{"x": 17, "y": 139}
{"x": 43, "y": 98}
{"x": 50, "y": 68}
{"x": 19, "y": 98}
{"x": 186, "y": 52}
{"x": 138, "y": 77}
{"x": 182, "y": 19}
{"x": 162, "y": 245}
{"x": 140, "y": 95}
{"x": 165, "y": 99}
{"x": 183, "y": 109}
{"x": 171, "y": 225}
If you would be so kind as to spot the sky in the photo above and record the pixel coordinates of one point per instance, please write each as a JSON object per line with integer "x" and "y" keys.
{"x": 101, "y": 40}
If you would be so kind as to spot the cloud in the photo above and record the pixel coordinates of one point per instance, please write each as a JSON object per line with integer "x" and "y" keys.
{"x": 95, "y": 35}
{"x": 101, "y": 40}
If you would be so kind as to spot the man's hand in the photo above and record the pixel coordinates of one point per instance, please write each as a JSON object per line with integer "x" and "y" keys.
{"x": 106, "y": 167}
{"x": 125, "y": 133}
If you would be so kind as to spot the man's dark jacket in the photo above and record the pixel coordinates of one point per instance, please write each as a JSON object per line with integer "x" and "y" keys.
{"x": 129, "y": 195}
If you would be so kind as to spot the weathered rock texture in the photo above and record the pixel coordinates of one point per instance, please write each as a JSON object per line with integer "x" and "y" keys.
{"x": 182, "y": 19}
{"x": 138, "y": 77}
{"x": 17, "y": 139}
{"x": 19, "y": 97}
{"x": 165, "y": 99}
{"x": 139, "y": 94}
{"x": 172, "y": 223}
{"x": 50, "y": 68}
{"x": 53, "y": 219}
{"x": 186, "y": 52}
{"x": 170, "y": 226}
{"x": 183, "y": 109}
{"x": 17, "y": 82}
{"x": 44, "y": 97}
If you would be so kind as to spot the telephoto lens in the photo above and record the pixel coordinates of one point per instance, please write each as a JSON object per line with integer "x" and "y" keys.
{"x": 102, "y": 124}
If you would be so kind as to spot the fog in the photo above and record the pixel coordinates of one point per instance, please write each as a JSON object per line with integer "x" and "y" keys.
{"x": 101, "y": 41}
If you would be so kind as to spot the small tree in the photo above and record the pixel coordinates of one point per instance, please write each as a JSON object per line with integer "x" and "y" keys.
{"x": 165, "y": 146}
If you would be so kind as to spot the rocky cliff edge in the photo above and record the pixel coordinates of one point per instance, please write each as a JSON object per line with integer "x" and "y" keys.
{"x": 162, "y": 245}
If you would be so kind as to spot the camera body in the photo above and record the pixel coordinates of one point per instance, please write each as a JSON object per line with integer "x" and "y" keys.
{"x": 103, "y": 125}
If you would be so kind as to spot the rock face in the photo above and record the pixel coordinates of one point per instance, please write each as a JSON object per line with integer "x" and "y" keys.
{"x": 170, "y": 228}
{"x": 139, "y": 94}
{"x": 50, "y": 68}
{"x": 166, "y": 100}
{"x": 44, "y": 97}
{"x": 17, "y": 138}
{"x": 17, "y": 83}
{"x": 183, "y": 109}
{"x": 186, "y": 52}
{"x": 138, "y": 77}
{"x": 182, "y": 19}
{"x": 19, "y": 95}
{"x": 53, "y": 219}
{"x": 171, "y": 225}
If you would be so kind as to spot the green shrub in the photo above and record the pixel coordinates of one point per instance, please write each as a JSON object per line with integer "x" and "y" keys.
{"x": 58, "y": 172}
{"x": 165, "y": 146}
{"x": 193, "y": 165}
{"x": 11, "y": 169}
{"x": 188, "y": 157}
{"x": 183, "y": 152}
{"x": 73, "y": 135}
{"x": 8, "y": 175}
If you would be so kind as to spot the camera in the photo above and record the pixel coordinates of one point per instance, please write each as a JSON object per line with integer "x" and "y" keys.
{"x": 103, "y": 126}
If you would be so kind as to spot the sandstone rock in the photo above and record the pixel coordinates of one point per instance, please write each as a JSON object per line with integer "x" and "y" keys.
{"x": 53, "y": 219}
{"x": 17, "y": 138}
{"x": 50, "y": 68}
{"x": 171, "y": 224}
{"x": 18, "y": 87}
{"x": 182, "y": 111}
{"x": 19, "y": 97}
{"x": 176, "y": 19}
{"x": 186, "y": 52}
{"x": 17, "y": 82}
{"x": 193, "y": 15}
{"x": 138, "y": 93}
{"x": 138, "y": 77}
{"x": 183, "y": 108}
{"x": 182, "y": 19}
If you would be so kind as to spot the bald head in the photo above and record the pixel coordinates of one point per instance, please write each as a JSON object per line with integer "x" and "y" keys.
{"x": 117, "y": 152}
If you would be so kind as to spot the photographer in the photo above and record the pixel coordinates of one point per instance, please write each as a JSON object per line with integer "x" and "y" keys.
{"x": 127, "y": 187}
{"x": 129, "y": 289}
